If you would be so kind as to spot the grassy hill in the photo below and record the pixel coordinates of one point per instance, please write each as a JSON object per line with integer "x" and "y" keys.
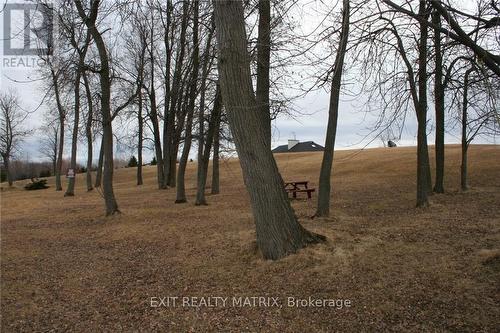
{"x": 67, "y": 267}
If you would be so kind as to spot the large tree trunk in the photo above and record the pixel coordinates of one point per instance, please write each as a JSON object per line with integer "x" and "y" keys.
{"x": 105, "y": 82}
{"x": 423, "y": 167}
{"x": 215, "y": 160}
{"x": 439, "y": 105}
{"x": 205, "y": 157}
{"x": 323, "y": 208}
{"x": 278, "y": 231}
{"x": 193, "y": 92}
{"x": 263, "y": 60}
{"x": 88, "y": 131}
{"x": 70, "y": 190}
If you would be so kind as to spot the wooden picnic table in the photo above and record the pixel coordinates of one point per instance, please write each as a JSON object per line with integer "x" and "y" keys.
{"x": 295, "y": 187}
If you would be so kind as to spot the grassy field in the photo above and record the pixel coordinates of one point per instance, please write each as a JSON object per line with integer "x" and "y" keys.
{"x": 65, "y": 267}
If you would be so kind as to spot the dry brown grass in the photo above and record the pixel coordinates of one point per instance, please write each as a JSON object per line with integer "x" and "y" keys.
{"x": 67, "y": 267}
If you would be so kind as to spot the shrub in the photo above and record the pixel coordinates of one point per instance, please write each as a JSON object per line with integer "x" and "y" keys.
{"x": 153, "y": 161}
{"x": 36, "y": 184}
{"x": 132, "y": 163}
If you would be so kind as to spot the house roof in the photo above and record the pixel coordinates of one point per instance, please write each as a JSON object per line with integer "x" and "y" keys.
{"x": 300, "y": 147}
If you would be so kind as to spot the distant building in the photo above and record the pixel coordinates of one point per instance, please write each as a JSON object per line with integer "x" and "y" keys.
{"x": 295, "y": 146}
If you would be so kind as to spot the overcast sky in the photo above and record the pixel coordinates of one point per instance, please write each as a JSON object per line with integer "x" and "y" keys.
{"x": 353, "y": 124}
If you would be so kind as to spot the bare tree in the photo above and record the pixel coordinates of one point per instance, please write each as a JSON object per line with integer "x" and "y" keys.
{"x": 74, "y": 34}
{"x": 278, "y": 231}
{"x": 104, "y": 73}
{"x": 438, "y": 104}
{"x": 212, "y": 135}
{"x": 12, "y": 131}
{"x": 193, "y": 92}
{"x": 175, "y": 94}
{"x": 323, "y": 208}
{"x": 88, "y": 129}
{"x": 49, "y": 142}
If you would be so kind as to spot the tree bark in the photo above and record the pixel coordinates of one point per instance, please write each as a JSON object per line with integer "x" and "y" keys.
{"x": 323, "y": 209}
{"x": 205, "y": 157}
{"x": 278, "y": 231}
{"x": 439, "y": 105}
{"x": 263, "y": 64}
{"x": 423, "y": 167}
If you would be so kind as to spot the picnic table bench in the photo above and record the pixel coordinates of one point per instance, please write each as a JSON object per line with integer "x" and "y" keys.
{"x": 299, "y": 187}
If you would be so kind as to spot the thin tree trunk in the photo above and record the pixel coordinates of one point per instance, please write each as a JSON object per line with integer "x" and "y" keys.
{"x": 54, "y": 156}
{"x": 61, "y": 130}
{"x": 153, "y": 115}
{"x": 201, "y": 177}
{"x": 181, "y": 190}
{"x": 139, "y": 140}
{"x": 323, "y": 208}
{"x": 88, "y": 132}
{"x": 263, "y": 61}
{"x": 70, "y": 190}
{"x": 465, "y": 144}
{"x": 105, "y": 81}
{"x": 167, "y": 97}
{"x": 439, "y": 105}
{"x": 60, "y": 154}
{"x": 171, "y": 153}
{"x": 205, "y": 157}
{"x": 193, "y": 91}
{"x": 423, "y": 167}
{"x": 215, "y": 160}
{"x": 100, "y": 162}
{"x": 278, "y": 231}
